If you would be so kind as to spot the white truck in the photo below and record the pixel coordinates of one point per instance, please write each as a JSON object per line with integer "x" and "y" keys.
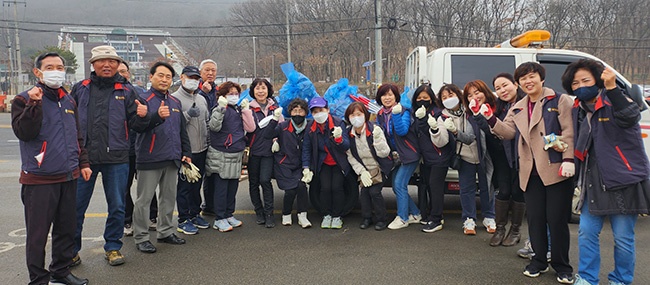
{"x": 459, "y": 65}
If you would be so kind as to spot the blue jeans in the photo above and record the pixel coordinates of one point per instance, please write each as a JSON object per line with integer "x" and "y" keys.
{"x": 589, "y": 246}
{"x": 467, "y": 182}
{"x": 405, "y": 204}
{"x": 114, "y": 178}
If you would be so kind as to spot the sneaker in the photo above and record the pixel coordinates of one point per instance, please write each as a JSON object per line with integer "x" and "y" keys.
{"x": 128, "y": 230}
{"x": 234, "y": 222}
{"x": 490, "y": 225}
{"x": 337, "y": 223}
{"x": 431, "y": 227}
{"x": 286, "y": 220}
{"x": 153, "y": 224}
{"x": 425, "y": 221}
{"x": 414, "y": 219}
{"x": 565, "y": 278}
{"x": 526, "y": 251}
{"x": 260, "y": 219}
{"x": 533, "y": 272}
{"x": 187, "y": 227}
{"x": 222, "y": 225}
{"x": 114, "y": 257}
{"x": 469, "y": 227}
{"x": 303, "y": 221}
{"x": 200, "y": 222}
{"x": 327, "y": 222}
{"x": 76, "y": 260}
{"x": 397, "y": 224}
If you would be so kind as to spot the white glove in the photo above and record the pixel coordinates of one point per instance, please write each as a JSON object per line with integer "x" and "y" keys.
{"x": 222, "y": 101}
{"x": 275, "y": 147}
{"x": 377, "y": 133}
{"x": 244, "y": 104}
{"x": 567, "y": 169}
{"x": 485, "y": 111}
{"x": 277, "y": 114}
{"x": 421, "y": 112}
{"x": 190, "y": 172}
{"x": 472, "y": 107}
{"x": 397, "y": 109}
{"x": 433, "y": 122}
{"x": 449, "y": 125}
{"x": 337, "y": 132}
{"x": 307, "y": 175}
{"x": 366, "y": 179}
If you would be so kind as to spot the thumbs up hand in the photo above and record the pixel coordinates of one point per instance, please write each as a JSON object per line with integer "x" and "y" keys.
{"x": 141, "y": 109}
{"x": 163, "y": 111}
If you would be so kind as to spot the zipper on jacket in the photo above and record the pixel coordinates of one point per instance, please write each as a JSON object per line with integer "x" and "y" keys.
{"x": 620, "y": 153}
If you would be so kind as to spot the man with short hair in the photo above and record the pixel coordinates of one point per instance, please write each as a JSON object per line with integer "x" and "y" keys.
{"x": 196, "y": 113}
{"x": 125, "y": 70}
{"x": 208, "y": 89}
{"x": 160, "y": 150}
{"x": 108, "y": 107}
{"x": 45, "y": 121}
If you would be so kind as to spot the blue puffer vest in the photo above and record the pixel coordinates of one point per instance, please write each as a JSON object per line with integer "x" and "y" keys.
{"x": 57, "y": 140}
{"x": 230, "y": 138}
{"x": 162, "y": 143}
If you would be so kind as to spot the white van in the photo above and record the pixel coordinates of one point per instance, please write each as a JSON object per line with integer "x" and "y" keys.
{"x": 459, "y": 65}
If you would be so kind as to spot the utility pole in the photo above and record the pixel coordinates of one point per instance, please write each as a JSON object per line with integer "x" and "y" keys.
{"x": 286, "y": 3}
{"x": 12, "y": 88}
{"x": 254, "y": 60}
{"x": 378, "y": 62}
{"x": 18, "y": 65}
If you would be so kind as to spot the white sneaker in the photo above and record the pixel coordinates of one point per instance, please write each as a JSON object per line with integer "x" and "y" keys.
{"x": 286, "y": 220}
{"x": 303, "y": 221}
{"x": 469, "y": 227}
{"x": 397, "y": 224}
{"x": 337, "y": 223}
{"x": 128, "y": 230}
{"x": 326, "y": 223}
{"x": 490, "y": 225}
{"x": 414, "y": 219}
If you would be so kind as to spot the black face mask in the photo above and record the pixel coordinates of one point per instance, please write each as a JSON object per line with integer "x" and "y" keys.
{"x": 421, "y": 103}
{"x": 298, "y": 119}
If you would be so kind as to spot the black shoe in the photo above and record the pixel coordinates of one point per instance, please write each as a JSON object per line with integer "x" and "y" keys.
{"x": 146, "y": 247}
{"x": 365, "y": 224}
{"x": 380, "y": 226}
{"x": 260, "y": 219}
{"x": 269, "y": 222}
{"x": 69, "y": 280}
{"x": 76, "y": 260}
{"x": 172, "y": 239}
{"x": 431, "y": 227}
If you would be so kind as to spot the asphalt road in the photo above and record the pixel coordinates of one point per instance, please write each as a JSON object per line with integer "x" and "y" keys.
{"x": 253, "y": 254}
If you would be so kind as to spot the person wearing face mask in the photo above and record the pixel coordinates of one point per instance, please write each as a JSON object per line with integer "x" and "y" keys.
{"x": 44, "y": 119}
{"x": 323, "y": 153}
{"x": 369, "y": 158}
{"x": 228, "y": 126}
{"x": 196, "y": 113}
{"x": 397, "y": 124}
{"x": 543, "y": 115}
{"x": 611, "y": 166}
{"x": 287, "y": 155}
{"x": 435, "y": 159}
{"x": 260, "y": 162}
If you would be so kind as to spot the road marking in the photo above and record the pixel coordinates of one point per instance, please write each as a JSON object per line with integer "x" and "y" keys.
{"x": 13, "y": 141}
{"x": 5, "y": 126}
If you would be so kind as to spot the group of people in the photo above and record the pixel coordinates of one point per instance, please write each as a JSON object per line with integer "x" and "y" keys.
{"x": 528, "y": 146}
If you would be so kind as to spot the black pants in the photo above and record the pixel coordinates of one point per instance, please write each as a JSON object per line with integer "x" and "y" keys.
{"x": 188, "y": 195}
{"x": 128, "y": 202}
{"x": 208, "y": 194}
{"x": 225, "y": 194}
{"x": 372, "y": 199}
{"x": 423, "y": 191}
{"x": 260, "y": 169}
{"x": 436, "y": 182}
{"x": 302, "y": 201}
{"x": 549, "y": 205}
{"x": 507, "y": 180}
{"x": 332, "y": 194}
{"x": 49, "y": 205}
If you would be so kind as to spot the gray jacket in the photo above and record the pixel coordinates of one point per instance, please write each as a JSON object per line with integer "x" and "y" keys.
{"x": 197, "y": 127}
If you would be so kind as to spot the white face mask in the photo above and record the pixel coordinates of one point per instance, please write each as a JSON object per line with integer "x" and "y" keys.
{"x": 320, "y": 117}
{"x": 232, "y": 99}
{"x": 53, "y": 78}
{"x": 358, "y": 121}
{"x": 451, "y": 103}
{"x": 191, "y": 84}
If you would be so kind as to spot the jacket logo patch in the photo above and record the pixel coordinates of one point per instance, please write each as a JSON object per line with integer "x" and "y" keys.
{"x": 175, "y": 110}
{"x": 603, "y": 119}
{"x": 119, "y": 98}
{"x": 68, "y": 111}
{"x": 552, "y": 110}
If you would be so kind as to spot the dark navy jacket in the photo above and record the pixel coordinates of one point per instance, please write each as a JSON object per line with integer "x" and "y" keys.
{"x": 55, "y": 137}
{"x": 164, "y": 140}
{"x": 288, "y": 161}
{"x": 313, "y": 151}
{"x": 231, "y": 137}
{"x": 431, "y": 154}
{"x": 385, "y": 164}
{"x": 210, "y": 97}
{"x": 400, "y": 134}
{"x": 259, "y": 146}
